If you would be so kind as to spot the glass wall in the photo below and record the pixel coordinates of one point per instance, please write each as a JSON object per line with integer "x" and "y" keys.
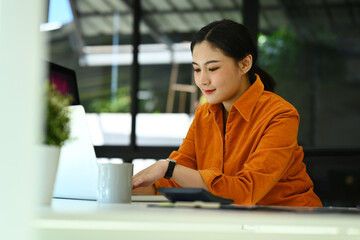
{"x": 311, "y": 50}
{"x": 314, "y": 60}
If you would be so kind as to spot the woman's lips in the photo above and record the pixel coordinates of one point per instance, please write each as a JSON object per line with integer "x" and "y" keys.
{"x": 209, "y": 91}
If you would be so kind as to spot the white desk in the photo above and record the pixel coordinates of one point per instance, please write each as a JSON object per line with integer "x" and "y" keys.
{"x": 69, "y": 219}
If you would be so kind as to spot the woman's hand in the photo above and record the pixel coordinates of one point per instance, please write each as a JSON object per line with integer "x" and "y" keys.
{"x": 150, "y": 175}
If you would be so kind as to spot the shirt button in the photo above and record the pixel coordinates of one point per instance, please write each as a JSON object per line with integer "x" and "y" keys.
{"x": 226, "y": 137}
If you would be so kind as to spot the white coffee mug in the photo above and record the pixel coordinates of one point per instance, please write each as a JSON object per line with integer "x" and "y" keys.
{"x": 115, "y": 182}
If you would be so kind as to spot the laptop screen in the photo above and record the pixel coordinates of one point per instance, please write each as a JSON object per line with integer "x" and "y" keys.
{"x": 76, "y": 176}
{"x": 64, "y": 80}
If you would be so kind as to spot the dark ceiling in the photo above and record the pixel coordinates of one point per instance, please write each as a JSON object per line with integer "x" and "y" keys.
{"x": 170, "y": 21}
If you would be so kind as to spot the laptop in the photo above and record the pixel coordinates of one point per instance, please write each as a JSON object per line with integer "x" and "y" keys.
{"x": 77, "y": 174}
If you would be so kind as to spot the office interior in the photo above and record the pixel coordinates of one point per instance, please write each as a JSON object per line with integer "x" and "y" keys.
{"x": 310, "y": 47}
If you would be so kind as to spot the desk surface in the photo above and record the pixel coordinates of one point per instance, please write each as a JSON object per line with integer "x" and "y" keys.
{"x": 71, "y": 219}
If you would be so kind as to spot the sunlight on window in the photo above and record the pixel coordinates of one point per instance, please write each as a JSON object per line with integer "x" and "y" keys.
{"x": 60, "y": 11}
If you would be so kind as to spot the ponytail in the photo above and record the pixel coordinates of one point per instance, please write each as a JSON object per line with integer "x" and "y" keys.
{"x": 266, "y": 78}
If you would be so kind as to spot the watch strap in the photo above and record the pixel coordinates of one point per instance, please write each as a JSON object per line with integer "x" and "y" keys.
{"x": 170, "y": 169}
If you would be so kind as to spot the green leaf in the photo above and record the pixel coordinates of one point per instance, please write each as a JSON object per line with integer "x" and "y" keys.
{"x": 57, "y": 117}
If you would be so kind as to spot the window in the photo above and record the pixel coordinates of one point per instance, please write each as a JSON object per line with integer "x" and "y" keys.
{"x": 310, "y": 49}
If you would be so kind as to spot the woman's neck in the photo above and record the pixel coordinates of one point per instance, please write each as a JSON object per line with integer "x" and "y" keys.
{"x": 244, "y": 86}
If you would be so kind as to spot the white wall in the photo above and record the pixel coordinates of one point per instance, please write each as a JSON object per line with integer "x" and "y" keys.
{"x": 20, "y": 76}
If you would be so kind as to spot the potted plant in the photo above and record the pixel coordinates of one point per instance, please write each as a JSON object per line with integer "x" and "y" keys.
{"x": 57, "y": 132}
{"x": 57, "y": 117}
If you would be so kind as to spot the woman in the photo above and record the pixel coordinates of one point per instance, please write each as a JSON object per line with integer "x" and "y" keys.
{"x": 242, "y": 143}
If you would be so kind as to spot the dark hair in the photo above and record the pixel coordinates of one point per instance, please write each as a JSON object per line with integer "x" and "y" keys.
{"x": 235, "y": 41}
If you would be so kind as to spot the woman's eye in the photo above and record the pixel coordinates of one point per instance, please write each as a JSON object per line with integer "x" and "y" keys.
{"x": 213, "y": 69}
{"x": 196, "y": 70}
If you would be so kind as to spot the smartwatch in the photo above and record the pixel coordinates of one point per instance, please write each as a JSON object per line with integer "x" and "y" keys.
{"x": 170, "y": 169}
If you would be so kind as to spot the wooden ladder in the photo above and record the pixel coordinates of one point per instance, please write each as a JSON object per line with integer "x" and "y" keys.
{"x": 183, "y": 89}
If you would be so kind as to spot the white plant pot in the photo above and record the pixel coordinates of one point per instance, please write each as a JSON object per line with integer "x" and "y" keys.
{"x": 47, "y": 165}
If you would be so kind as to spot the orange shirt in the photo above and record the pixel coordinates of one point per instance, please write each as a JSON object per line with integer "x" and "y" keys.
{"x": 257, "y": 160}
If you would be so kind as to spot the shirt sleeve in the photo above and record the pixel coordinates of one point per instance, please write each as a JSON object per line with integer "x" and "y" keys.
{"x": 265, "y": 165}
{"x": 185, "y": 156}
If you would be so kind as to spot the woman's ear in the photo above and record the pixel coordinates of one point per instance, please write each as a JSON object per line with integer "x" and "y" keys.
{"x": 246, "y": 63}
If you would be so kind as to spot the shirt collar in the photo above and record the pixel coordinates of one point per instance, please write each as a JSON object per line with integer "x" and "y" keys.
{"x": 246, "y": 103}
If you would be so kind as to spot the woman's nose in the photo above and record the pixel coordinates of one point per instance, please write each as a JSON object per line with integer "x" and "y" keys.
{"x": 204, "y": 80}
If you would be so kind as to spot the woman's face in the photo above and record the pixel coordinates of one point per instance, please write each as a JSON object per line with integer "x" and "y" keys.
{"x": 218, "y": 76}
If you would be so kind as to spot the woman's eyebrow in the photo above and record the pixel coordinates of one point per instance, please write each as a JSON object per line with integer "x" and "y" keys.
{"x": 208, "y": 62}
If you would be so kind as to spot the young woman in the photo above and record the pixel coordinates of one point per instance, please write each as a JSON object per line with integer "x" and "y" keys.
{"x": 242, "y": 143}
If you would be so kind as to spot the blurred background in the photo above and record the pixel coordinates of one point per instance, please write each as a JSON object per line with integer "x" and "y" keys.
{"x": 134, "y": 74}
